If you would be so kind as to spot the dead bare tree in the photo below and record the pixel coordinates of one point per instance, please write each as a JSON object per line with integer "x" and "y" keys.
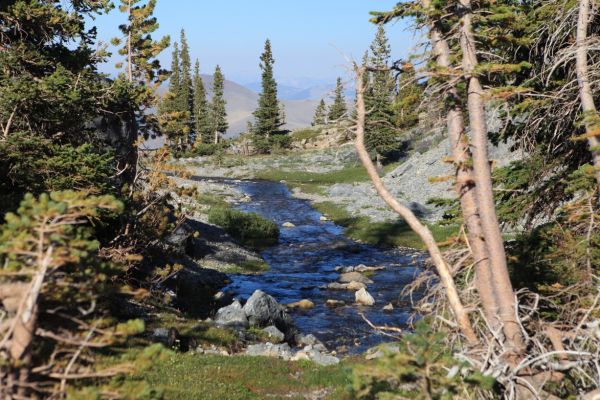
{"x": 424, "y": 233}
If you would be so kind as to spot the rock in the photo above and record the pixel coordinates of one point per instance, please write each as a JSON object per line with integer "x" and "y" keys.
{"x": 263, "y": 310}
{"x": 316, "y": 356}
{"x": 323, "y": 218}
{"x": 308, "y": 340}
{"x": 288, "y": 225}
{"x": 348, "y": 277}
{"x": 345, "y": 286}
{"x": 334, "y": 303}
{"x": 355, "y": 285}
{"x": 274, "y": 333}
{"x": 302, "y": 304}
{"x": 270, "y": 350}
{"x": 232, "y": 315}
{"x": 381, "y": 350}
{"x": 364, "y": 268}
{"x": 195, "y": 288}
{"x": 166, "y": 336}
{"x": 389, "y": 307}
{"x": 363, "y": 297}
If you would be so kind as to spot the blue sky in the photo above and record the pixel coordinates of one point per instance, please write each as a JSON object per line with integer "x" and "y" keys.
{"x": 310, "y": 38}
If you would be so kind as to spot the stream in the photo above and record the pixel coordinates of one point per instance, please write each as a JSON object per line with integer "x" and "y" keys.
{"x": 304, "y": 261}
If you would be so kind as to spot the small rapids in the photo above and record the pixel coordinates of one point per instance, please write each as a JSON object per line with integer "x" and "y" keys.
{"x": 304, "y": 261}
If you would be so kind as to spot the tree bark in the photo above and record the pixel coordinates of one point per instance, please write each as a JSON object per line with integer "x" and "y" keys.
{"x": 424, "y": 233}
{"x": 592, "y": 124}
{"x": 482, "y": 175}
{"x": 465, "y": 184}
{"x": 129, "y": 46}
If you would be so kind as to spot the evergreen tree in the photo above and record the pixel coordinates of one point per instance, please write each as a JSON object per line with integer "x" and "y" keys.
{"x": 320, "y": 114}
{"x": 381, "y": 136}
{"x": 186, "y": 94}
{"x": 219, "y": 123}
{"x": 201, "y": 110}
{"x": 267, "y": 115}
{"x": 408, "y": 99}
{"x": 173, "y": 110}
{"x": 338, "y": 108}
{"x": 138, "y": 47}
{"x": 143, "y": 70}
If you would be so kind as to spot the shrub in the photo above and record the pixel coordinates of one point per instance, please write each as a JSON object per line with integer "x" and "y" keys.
{"x": 423, "y": 368}
{"x": 280, "y": 142}
{"x": 249, "y": 228}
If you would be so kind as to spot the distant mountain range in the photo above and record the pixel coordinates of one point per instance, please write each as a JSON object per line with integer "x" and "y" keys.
{"x": 242, "y": 101}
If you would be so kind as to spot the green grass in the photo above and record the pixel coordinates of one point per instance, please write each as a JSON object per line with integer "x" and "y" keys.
{"x": 250, "y": 229}
{"x": 380, "y": 233}
{"x": 307, "y": 134}
{"x": 315, "y": 183}
{"x": 161, "y": 374}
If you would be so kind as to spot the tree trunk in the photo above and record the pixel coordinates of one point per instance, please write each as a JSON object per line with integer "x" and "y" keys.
{"x": 592, "y": 124}
{"x": 482, "y": 175}
{"x": 129, "y": 46}
{"x": 216, "y": 137}
{"x": 465, "y": 185}
{"x": 424, "y": 233}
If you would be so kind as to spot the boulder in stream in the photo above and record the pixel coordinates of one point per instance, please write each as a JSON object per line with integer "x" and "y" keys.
{"x": 363, "y": 297}
{"x": 302, "y": 305}
{"x": 263, "y": 310}
{"x": 288, "y": 225}
{"x": 348, "y": 277}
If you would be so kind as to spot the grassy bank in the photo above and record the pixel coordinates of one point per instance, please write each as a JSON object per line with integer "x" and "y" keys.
{"x": 156, "y": 373}
{"x": 380, "y": 233}
{"x": 313, "y": 182}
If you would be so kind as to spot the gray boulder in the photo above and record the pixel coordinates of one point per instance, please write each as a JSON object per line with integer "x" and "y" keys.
{"x": 348, "y": 277}
{"x": 232, "y": 315}
{"x": 274, "y": 334}
{"x": 270, "y": 350}
{"x": 263, "y": 310}
{"x": 316, "y": 356}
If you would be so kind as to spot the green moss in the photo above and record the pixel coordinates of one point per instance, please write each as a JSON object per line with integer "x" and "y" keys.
{"x": 381, "y": 233}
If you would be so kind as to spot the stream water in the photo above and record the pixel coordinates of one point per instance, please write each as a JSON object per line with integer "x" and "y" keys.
{"x": 304, "y": 261}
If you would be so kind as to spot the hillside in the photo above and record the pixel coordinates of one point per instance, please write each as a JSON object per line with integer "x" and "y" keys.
{"x": 242, "y": 101}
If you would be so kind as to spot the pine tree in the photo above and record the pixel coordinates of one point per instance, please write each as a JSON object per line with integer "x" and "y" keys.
{"x": 267, "y": 116}
{"x": 320, "y": 114}
{"x": 408, "y": 98}
{"x": 186, "y": 89}
{"x": 143, "y": 69}
{"x": 173, "y": 111}
{"x": 381, "y": 136}
{"x": 338, "y": 109}
{"x": 218, "y": 113}
{"x": 138, "y": 47}
{"x": 201, "y": 110}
